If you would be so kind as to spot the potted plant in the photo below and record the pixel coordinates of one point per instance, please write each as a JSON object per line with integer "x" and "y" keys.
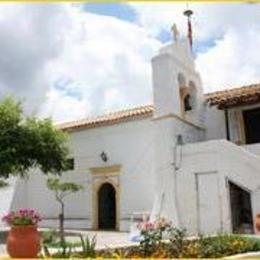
{"x": 257, "y": 222}
{"x": 23, "y": 240}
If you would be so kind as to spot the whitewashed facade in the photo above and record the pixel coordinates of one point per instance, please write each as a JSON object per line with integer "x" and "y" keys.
{"x": 166, "y": 161}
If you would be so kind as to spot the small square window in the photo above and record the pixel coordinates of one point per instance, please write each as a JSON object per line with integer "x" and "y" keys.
{"x": 70, "y": 164}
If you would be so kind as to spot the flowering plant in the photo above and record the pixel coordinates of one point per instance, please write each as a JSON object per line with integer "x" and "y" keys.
{"x": 159, "y": 224}
{"x": 146, "y": 226}
{"x": 22, "y": 217}
{"x": 152, "y": 234}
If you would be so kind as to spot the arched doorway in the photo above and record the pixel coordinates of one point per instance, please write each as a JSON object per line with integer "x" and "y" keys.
{"x": 107, "y": 207}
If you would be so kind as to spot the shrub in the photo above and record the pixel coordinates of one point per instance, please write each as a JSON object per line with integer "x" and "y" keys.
{"x": 66, "y": 251}
{"x": 89, "y": 247}
{"x": 152, "y": 235}
{"x": 3, "y": 184}
{"x": 224, "y": 245}
{"x": 177, "y": 242}
{"x": 48, "y": 238}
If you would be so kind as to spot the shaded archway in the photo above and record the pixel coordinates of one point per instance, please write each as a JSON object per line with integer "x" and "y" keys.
{"x": 193, "y": 94}
{"x": 107, "y": 207}
{"x": 241, "y": 209}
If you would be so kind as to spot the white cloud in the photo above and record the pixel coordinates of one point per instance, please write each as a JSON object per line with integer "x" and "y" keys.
{"x": 210, "y": 20}
{"x": 232, "y": 62}
{"x": 63, "y": 107}
{"x": 108, "y": 61}
{"x": 231, "y": 30}
{"x": 68, "y": 63}
{"x": 30, "y": 37}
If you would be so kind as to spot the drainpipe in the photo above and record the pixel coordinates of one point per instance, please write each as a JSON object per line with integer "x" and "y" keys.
{"x": 179, "y": 143}
{"x": 227, "y": 125}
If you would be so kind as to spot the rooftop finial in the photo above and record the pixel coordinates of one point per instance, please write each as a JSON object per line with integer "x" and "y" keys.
{"x": 189, "y": 13}
{"x": 175, "y": 32}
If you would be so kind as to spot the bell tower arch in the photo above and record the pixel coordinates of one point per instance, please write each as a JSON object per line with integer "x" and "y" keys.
{"x": 176, "y": 83}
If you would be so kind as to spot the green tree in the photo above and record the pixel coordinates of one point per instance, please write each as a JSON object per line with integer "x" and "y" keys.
{"x": 27, "y": 142}
{"x": 62, "y": 190}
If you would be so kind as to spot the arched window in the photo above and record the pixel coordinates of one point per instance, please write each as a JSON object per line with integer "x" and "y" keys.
{"x": 184, "y": 94}
{"x": 188, "y": 94}
{"x": 187, "y": 104}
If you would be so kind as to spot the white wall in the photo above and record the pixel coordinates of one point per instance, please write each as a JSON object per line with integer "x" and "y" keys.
{"x": 227, "y": 161}
{"x": 7, "y": 197}
{"x": 215, "y": 123}
{"x": 129, "y": 144}
{"x": 173, "y": 60}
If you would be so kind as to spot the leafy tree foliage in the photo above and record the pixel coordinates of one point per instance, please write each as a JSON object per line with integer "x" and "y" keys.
{"x": 27, "y": 142}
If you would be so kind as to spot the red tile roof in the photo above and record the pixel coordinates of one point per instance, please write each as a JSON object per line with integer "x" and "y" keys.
{"x": 109, "y": 119}
{"x": 222, "y": 99}
{"x": 246, "y": 95}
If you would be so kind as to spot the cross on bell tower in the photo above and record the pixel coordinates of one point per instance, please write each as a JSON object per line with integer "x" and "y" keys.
{"x": 175, "y": 32}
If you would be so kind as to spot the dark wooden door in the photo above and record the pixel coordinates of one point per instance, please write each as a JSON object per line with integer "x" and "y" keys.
{"x": 107, "y": 207}
{"x": 252, "y": 125}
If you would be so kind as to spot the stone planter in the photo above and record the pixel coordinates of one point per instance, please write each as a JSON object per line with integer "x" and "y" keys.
{"x": 23, "y": 242}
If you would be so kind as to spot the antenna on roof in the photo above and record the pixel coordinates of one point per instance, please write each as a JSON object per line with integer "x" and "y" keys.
{"x": 189, "y": 13}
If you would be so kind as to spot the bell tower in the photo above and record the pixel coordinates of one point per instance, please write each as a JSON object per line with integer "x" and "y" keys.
{"x": 176, "y": 83}
{"x": 178, "y": 100}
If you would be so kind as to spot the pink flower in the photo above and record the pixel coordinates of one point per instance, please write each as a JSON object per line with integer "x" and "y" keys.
{"x": 22, "y": 217}
{"x": 159, "y": 224}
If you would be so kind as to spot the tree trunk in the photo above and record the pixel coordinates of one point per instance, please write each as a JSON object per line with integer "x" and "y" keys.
{"x": 62, "y": 235}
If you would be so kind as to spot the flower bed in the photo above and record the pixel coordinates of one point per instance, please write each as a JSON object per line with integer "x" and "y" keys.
{"x": 207, "y": 247}
{"x": 161, "y": 240}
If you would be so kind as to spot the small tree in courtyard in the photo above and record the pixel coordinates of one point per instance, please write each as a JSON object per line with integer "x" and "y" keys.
{"x": 27, "y": 142}
{"x": 62, "y": 190}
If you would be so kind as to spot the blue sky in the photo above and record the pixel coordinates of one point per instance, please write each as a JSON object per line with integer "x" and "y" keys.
{"x": 119, "y": 10}
{"x": 126, "y": 12}
{"x": 122, "y": 11}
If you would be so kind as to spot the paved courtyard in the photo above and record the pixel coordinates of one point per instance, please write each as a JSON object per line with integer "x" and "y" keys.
{"x": 105, "y": 239}
{"x": 108, "y": 238}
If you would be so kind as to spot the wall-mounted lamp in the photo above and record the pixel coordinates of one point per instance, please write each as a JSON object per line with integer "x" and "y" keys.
{"x": 179, "y": 140}
{"x": 103, "y": 156}
{"x": 178, "y": 152}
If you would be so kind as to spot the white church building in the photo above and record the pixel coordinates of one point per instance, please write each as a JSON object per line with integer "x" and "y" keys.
{"x": 191, "y": 157}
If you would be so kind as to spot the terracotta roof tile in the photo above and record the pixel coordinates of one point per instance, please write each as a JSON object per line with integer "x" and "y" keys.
{"x": 246, "y": 95}
{"x": 222, "y": 99}
{"x": 109, "y": 119}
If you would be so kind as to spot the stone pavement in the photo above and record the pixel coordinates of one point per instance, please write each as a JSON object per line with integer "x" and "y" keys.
{"x": 105, "y": 239}
{"x": 109, "y": 239}
{"x": 2, "y": 250}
